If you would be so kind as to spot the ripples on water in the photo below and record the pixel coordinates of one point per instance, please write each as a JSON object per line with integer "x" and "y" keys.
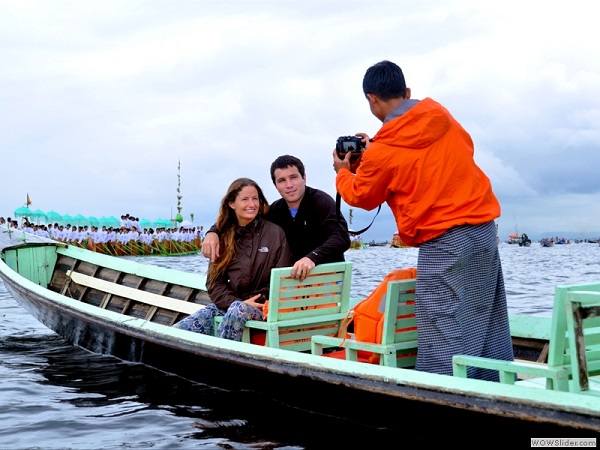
{"x": 530, "y": 273}
{"x": 55, "y": 396}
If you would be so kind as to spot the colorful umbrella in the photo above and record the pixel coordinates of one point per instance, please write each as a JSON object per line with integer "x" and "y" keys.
{"x": 67, "y": 220}
{"x": 81, "y": 220}
{"x": 53, "y": 217}
{"x": 22, "y": 212}
{"x": 38, "y": 215}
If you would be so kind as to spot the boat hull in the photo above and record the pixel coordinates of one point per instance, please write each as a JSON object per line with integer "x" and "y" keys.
{"x": 299, "y": 383}
{"x": 363, "y": 395}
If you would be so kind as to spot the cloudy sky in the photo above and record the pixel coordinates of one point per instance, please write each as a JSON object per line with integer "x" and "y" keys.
{"x": 101, "y": 100}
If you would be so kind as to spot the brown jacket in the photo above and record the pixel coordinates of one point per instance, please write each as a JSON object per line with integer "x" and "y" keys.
{"x": 259, "y": 247}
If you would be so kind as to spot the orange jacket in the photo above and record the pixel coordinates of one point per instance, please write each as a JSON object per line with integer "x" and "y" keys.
{"x": 421, "y": 163}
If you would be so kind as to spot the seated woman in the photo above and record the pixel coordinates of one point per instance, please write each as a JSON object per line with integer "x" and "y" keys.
{"x": 238, "y": 280}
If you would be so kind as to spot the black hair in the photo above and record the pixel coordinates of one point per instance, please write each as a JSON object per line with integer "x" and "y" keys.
{"x": 285, "y": 161}
{"x": 385, "y": 80}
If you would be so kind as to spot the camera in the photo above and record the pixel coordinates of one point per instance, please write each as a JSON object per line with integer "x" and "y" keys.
{"x": 352, "y": 144}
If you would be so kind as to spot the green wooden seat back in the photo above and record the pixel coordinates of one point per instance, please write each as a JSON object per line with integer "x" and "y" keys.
{"x": 326, "y": 290}
{"x": 583, "y": 331}
{"x": 559, "y": 354}
{"x": 298, "y": 310}
{"x": 398, "y": 347}
{"x": 399, "y": 322}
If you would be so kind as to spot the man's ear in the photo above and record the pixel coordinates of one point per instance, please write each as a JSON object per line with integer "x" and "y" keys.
{"x": 407, "y": 96}
{"x": 372, "y": 98}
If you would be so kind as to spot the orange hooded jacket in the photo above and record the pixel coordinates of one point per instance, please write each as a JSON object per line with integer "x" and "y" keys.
{"x": 421, "y": 163}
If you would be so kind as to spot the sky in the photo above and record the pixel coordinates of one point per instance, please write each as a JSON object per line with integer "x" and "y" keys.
{"x": 109, "y": 107}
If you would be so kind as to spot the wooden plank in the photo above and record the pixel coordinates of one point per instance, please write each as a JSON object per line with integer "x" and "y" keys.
{"x": 537, "y": 327}
{"x": 574, "y": 346}
{"x": 301, "y": 309}
{"x": 583, "y": 313}
{"x": 398, "y": 345}
{"x": 134, "y": 294}
{"x": 178, "y": 277}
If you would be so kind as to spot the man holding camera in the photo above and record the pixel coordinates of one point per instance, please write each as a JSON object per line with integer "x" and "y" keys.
{"x": 421, "y": 163}
{"x": 307, "y": 215}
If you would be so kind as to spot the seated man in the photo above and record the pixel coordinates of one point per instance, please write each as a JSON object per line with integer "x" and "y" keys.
{"x": 307, "y": 215}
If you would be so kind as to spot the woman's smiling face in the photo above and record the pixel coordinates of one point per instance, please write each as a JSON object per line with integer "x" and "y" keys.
{"x": 246, "y": 205}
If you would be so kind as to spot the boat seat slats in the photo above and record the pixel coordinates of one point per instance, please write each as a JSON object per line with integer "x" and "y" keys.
{"x": 134, "y": 294}
{"x": 298, "y": 310}
{"x": 398, "y": 347}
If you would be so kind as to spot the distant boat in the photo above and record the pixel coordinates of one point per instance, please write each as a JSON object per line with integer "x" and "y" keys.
{"x": 378, "y": 244}
{"x": 518, "y": 238}
{"x": 525, "y": 241}
{"x": 356, "y": 243}
{"x": 397, "y": 242}
{"x": 513, "y": 239}
{"x": 522, "y": 240}
{"x": 155, "y": 248}
{"x": 562, "y": 241}
{"x": 546, "y": 242}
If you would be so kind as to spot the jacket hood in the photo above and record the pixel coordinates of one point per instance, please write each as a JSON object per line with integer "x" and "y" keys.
{"x": 419, "y": 127}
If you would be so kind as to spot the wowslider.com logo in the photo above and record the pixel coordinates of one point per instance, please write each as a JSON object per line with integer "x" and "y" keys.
{"x": 564, "y": 442}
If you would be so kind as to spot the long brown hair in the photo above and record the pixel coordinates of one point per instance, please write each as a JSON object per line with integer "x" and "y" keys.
{"x": 227, "y": 223}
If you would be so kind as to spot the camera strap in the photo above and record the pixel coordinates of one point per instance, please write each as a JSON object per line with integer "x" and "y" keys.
{"x": 338, "y": 204}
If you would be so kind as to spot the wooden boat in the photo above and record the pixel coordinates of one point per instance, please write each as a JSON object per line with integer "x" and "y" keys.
{"x": 378, "y": 244}
{"x": 546, "y": 242}
{"x": 120, "y": 307}
{"x": 522, "y": 240}
{"x": 513, "y": 238}
{"x": 156, "y": 248}
{"x": 397, "y": 242}
{"x": 356, "y": 243}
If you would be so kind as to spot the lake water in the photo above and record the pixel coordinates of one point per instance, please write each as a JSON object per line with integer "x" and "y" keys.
{"x": 55, "y": 396}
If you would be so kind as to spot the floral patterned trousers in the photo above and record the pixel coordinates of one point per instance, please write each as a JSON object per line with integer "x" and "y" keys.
{"x": 232, "y": 325}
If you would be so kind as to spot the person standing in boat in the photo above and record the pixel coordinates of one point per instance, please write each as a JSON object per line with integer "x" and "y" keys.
{"x": 421, "y": 163}
{"x": 307, "y": 215}
{"x": 238, "y": 280}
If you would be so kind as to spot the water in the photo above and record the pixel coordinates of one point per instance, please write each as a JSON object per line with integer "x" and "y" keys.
{"x": 55, "y": 396}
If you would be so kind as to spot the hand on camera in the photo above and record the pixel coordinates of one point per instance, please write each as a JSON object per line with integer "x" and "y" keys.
{"x": 340, "y": 163}
{"x": 351, "y": 159}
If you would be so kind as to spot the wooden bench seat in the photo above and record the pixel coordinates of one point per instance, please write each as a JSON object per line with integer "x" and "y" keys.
{"x": 398, "y": 347}
{"x": 297, "y": 310}
{"x": 574, "y": 347}
{"x": 149, "y": 298}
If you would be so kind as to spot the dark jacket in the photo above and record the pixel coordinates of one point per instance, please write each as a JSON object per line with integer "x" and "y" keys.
{"x": 259, "y": 246}
{"x": 315, "y": 232}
